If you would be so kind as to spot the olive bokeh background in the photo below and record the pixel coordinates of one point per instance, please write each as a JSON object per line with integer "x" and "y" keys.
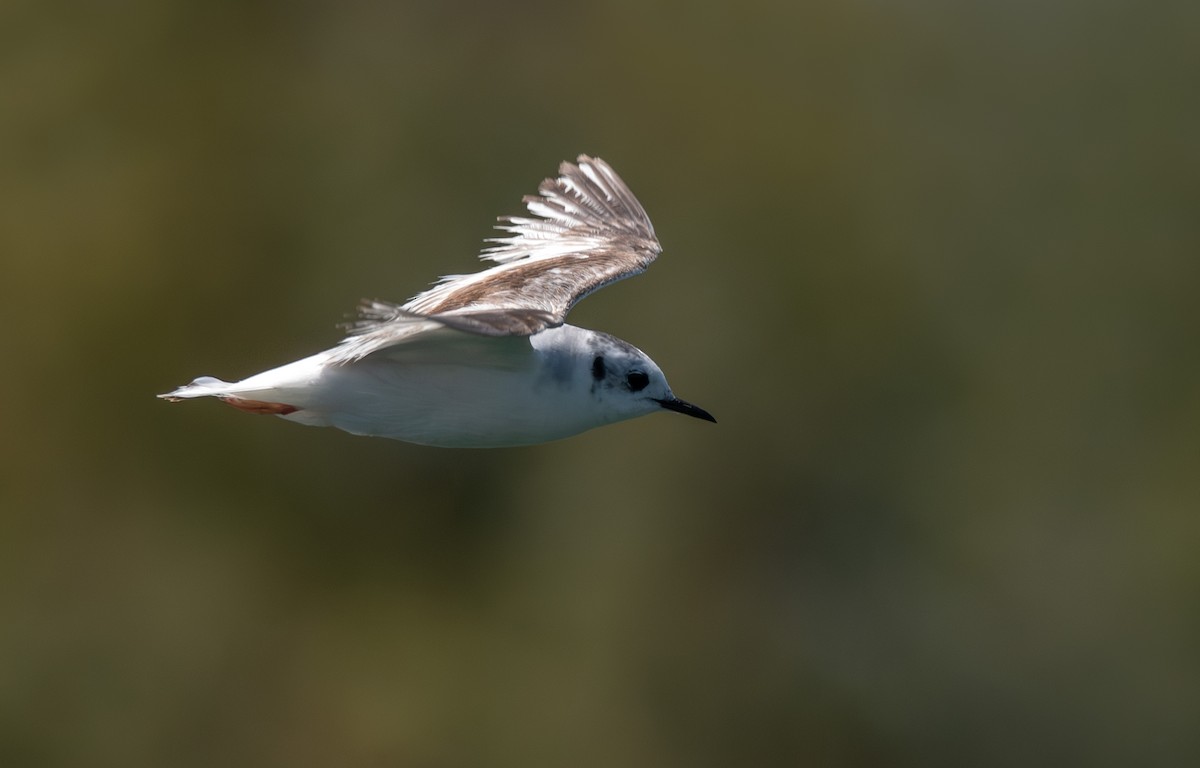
{"x": 932, "y": 265}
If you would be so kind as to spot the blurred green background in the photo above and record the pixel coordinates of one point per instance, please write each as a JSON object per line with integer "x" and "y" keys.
{"x": 933, "y": 265}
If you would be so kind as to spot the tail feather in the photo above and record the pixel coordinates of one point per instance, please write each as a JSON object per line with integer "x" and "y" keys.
{"x": 288, "y": 391}
{"x": 205, "y": 386}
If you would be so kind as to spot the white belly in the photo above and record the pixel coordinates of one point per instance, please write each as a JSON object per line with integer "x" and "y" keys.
{"x": 445, "y": 405}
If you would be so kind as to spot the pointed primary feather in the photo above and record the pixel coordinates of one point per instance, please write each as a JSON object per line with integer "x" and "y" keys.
{"x": 589, "y": 231}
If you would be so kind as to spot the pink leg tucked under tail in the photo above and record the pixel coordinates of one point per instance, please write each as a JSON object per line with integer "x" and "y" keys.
{"x": 259, "y": 406}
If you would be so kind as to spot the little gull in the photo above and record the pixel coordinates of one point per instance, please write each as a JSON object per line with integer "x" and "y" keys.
{"x": 486, "y": 359}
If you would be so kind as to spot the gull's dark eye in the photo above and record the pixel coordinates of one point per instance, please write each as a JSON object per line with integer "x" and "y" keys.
{"x": 598, "y": 367}
{"x": 637, "y": 381}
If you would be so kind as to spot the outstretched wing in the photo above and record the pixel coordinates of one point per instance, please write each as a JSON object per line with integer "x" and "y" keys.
{"x": 587, "y": 231}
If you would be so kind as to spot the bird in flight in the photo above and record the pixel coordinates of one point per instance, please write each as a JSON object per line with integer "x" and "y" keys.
{"x": 486, "y": 360}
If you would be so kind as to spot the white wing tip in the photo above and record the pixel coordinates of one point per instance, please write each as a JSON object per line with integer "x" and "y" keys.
{"x": 587, "y": 203}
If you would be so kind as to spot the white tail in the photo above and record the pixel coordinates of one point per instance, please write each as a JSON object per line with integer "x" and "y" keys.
{"x": 205, "y": 386}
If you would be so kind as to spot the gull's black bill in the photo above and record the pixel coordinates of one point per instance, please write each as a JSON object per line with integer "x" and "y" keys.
{"x": 679, "y": 406}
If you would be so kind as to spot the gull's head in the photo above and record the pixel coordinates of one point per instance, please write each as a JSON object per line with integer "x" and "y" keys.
{"x": 624, "y": 382}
